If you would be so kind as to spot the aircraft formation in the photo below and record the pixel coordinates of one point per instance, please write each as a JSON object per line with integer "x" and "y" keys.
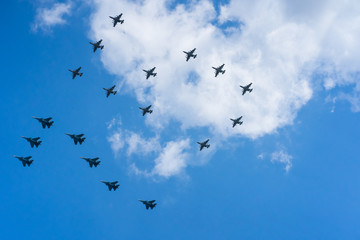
{"x": 79, "y": 138}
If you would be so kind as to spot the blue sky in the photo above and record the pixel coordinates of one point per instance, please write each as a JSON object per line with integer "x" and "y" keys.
{"x": 236, "y": 190}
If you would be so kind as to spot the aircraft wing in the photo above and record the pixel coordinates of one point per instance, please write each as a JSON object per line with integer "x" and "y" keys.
{"x": 107, "y": 93}
{"x": 94, "y": 48}
{"x": 244, "y": 91}
{"x": 98, "y": 43}
{"x": 43, "y": 124}
{"x": 187, "y": 57}
{"x": 109, "y": 187}
{"x": 112, "y": 88}
{"x": 23, "y": 163}
{"x": 78, "y": 69}
{"x": 90, "y": 163}
{"x": 216, "y": 72}
{"x": 31, "y": 144}
{"x": 201, "y": 147}
{"x": 115, "y": 22}
{"x": 147, "y": 206}
{"x": 144, "y": 112}
{"x": 74, "y": 75}
{"x": 75, "y": 141}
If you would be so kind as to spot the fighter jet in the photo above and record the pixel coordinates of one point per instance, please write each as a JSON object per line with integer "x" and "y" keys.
{"x": 25, "y": 160}
{"x": 76, "y": 72}
{"x": 246, "y": 89}
{"x": 111, "y": 185}
{"x": 77, "y": 138}
{"x": 117, "y": 19}
{"x": 204, "y": 144}
{"x": 97, "y": 45}
{"x": 148, "y": 204}
{"x": 110, "y": 91}
{"x": 45, "y": 122}
{"x": 33, "y": 141}
{"x": 236, "y": 121}
{"x": 219, "y": 70}
{"x": 150, "y": 72}
{"x": 92, "y": 161}
{"x": 190, "y": 54}
{"x": 146, "y": 110}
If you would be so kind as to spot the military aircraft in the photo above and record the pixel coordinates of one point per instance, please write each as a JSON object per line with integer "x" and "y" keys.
{"x": 78, "y": 138}
{"x": 190, "y": 54}
{"x": 76, "y": 72}
{"x": 117, "y": 19}
{"x": 25, "y": 160}
{"x": 33, "y": 141}
{"x": 146, "y": 110}
{"x": 45, "y": 122}
{"x": 150, "y": 72}
{"x": 97, "y": 45}
{"x": 92, "y": 161}
{"x": 219, "y": 70}
{"x": 236, "y": 121}
{"x": 110, "y": 91}
{"x": 111, "y": 185}
{"x": 246, "y": 89}
{"x": 148, "y": 204}
{"x": 204, "y": 144}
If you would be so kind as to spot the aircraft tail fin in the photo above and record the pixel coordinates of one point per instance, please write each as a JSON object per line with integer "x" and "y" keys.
{"x": 195, "y": 56}
{"x": 96, "y": 164}
{"x": 250, "y": 90}
{"x": 101, "y": 47}
{"x": 115, "y": 92}
{"x": 121, "y": 21}
{"x": 207, "y": 146}
{"x": 155, "y": 74}
{"x": 150, "y": 111}
{"x": 38, "y": 143}
{"x": 80, "y": 74}
{"x": 30, "y": 162}
{"x": 223, "y": 71}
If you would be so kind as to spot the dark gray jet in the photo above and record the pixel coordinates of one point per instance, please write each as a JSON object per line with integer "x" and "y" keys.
{"x": 77, "y": 138}
{"x": 33, "y": 141}
{"x": 117, "y": 19}
{"x": 148, "y": 204}
{"x": 111, "y": 185}
{"x": 25, "y": 160}
{"x": 45, "y": 122}
{"x": 246, "y": 89}
{"x": 110, "y": 91}
{"x": 190, "y": 54}
{"x": 219, "y": 70}
{"x": 204, "y": 144}
{"x": 236, "y": 121}
{"x": 146, "y": 110}
{"x": 92, "y": 161}
{"x": 150, "y": 72}
{"x": 76, "y": 72}
{"x": 97, "y": 45}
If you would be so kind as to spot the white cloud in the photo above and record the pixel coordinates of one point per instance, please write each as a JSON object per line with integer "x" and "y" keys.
{"x": 283, "y": 158}
{"x": 46, "y": 18}
{"x": 278, "y": 46}
{"x": 173, "y": 158}
{"x": 139, "y": 145}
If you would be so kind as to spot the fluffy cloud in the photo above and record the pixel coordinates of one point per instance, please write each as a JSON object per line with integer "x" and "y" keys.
{"x": 278, "y": 45}
{"x": 46, "y": 18}
{"x": 283, "y": 158}
{"x": 171, "y": 160}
